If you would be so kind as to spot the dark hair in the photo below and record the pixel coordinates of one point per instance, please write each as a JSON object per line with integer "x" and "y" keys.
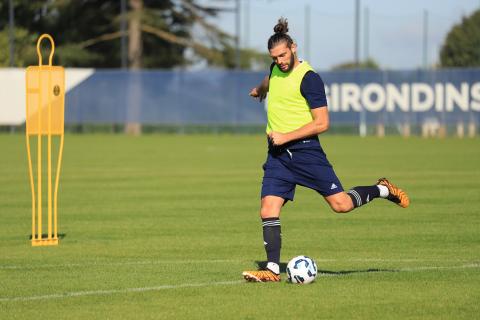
{"x": 280, "y": 35}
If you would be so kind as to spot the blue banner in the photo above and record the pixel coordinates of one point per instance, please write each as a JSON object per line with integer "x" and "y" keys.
{"x": 221, "y": 97}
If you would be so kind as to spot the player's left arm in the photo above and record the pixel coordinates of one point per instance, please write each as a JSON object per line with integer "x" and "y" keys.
{"x": 318, "y": 125}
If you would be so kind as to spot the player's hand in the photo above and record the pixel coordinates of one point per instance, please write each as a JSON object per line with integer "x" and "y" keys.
{"x": 277, "y": 138}
{"x": 257, "y": 93}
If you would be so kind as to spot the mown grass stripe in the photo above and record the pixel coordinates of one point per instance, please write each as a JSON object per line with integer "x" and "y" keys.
{"x": 193, "y": 285}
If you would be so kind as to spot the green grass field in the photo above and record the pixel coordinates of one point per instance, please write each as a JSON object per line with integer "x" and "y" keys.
{"x": 161, "y": 227}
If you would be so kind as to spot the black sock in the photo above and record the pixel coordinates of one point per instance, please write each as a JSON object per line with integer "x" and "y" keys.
{"x": 363, "y": 195}
{"x": 272, "y": 239}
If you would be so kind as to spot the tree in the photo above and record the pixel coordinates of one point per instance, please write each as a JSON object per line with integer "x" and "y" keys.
{"x": 25, "y": 53}
{"x": 367, "y": 64}
{"x": 462, "y": 44}
{"x": 87, "y": 32}
{"x": 69, "y": 22}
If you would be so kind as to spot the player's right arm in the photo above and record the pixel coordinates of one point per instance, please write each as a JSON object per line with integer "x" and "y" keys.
{"x": 260, "y": 91}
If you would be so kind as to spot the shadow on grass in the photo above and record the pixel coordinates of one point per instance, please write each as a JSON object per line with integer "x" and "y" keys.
{"x": 346, "y": 272}
{"x": 283, "y": 268}
{"x": 45, "y": 236}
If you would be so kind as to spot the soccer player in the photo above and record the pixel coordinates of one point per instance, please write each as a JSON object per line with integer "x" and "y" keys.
{"x": 297, "y": 113}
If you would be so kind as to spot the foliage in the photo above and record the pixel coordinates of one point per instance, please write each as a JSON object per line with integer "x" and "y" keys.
{"x": 462, "y": 44}
{"x": 249, "y": 59}
{"x": 87, "y": 33}
{"x": 366, "y": 64}
{"x": 69, "y": 22}
{"x": 24, "y": 52}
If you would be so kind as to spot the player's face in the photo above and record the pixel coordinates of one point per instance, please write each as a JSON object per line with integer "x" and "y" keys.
{"x": 283, "y": 56}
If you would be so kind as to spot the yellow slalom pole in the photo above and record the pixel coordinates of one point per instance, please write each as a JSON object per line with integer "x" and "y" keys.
{"x": 30, "y": 170}
{"x": 32, "y": 185}
{"x": 59, "y": 163}
{"x": 49, "y": 155}
{"x": 39, "y": 159}
{"x": 41, "y": 80}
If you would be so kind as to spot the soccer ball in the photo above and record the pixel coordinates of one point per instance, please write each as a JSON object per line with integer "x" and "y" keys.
{"x": 301, "y": 270}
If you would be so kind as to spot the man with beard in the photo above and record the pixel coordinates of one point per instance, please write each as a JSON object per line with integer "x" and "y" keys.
{"x": 297, "y": 113}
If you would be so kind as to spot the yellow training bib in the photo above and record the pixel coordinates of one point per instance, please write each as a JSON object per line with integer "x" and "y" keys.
{"x": 287, "y": 108}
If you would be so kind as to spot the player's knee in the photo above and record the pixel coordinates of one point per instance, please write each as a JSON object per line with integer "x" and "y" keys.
{"x": 271, "y": 206}
{"x": 268, "y": 211}
{"x": 341, "y": 206}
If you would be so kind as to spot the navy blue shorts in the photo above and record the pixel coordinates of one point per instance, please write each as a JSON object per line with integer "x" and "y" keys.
{"x": 307, "y": 167}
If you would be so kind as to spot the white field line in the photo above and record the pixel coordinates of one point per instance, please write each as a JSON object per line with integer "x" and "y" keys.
{"x": 111, "y": 264}
{"x": 465, "y": 266}
{"x": 158, "y": 262}
{"x": 188, "y": 285}
{"x": 114, "y": 291}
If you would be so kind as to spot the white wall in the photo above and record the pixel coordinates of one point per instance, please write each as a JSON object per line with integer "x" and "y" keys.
{"x": 12, "y": 92}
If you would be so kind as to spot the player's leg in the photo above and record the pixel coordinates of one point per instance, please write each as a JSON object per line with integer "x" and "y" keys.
{"x": 272, "y": 237}
{"x": 383, "y": 189}
{"x": 393, "y": 193}
{"x": 311, "y": 169}
{"x": 340, "y": 202}
{"x": 275, "y": 192}
{"x": 361, "y": 195}
{"x": 272, "y": 240}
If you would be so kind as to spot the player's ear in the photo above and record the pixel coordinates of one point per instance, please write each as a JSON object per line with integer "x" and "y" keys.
{"x": 294, "y": 48}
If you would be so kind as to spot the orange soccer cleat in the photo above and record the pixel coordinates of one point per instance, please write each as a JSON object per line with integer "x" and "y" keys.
{"x": 261, "y": 276}
{"x": 396, "y": 195}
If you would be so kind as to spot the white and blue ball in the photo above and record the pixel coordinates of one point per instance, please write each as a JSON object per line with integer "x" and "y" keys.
{"x": 301, "y": 270}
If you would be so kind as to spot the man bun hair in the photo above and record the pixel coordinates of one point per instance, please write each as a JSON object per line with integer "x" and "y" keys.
{"x": 280, "y": 35}
{"x": 281, "y": 26}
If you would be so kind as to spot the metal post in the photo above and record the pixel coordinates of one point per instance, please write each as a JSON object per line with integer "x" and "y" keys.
{"x": 363, "y": 117}
{"x": 123, "y": 29}
{"x": 237, "y": 34}
{"x": 246, "y": 36}
{"x": 11, "y": 33}
{"x": 425, "y": 39}
{"x": 357, "y": 33}
{"x": 307, "y": 32}
{"x": 366, "y": 36}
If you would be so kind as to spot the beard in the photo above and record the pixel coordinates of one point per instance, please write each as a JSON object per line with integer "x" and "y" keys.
{"x": 290, "y": 65}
